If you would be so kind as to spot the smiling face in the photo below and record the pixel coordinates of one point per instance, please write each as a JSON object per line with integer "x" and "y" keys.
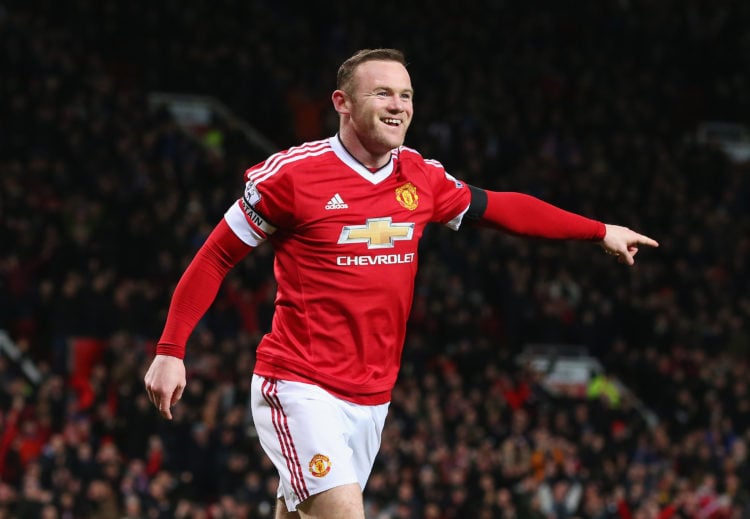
{"x": 376, "y": 109}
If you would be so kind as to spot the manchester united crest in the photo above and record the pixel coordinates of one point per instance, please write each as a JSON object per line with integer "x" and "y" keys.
{"x": 320, "y": 465}
{"x": 407, "y": 196}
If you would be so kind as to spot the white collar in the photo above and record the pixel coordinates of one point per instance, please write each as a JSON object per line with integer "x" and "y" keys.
{"x": 348, "y": 159}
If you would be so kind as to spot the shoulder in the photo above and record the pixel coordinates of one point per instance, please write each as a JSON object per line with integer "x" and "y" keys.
{"x": 290, "y": 160}
{"x": 432, "y": 170}
{"x": 411, "y": 157}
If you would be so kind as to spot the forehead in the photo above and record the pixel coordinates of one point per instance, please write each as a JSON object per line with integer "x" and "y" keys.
{"x": 375, "y": 74}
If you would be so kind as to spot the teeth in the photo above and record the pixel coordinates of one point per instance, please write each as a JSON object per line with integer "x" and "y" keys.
{"x": 392, "y": 121}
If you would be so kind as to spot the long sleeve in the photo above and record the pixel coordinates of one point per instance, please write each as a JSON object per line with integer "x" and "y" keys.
{"x": 525, "y": 215}
{"x": 198, "y": 286}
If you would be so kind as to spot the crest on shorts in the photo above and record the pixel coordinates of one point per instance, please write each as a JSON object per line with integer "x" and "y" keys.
{"x": 320, "y": 465}
{"x": 407, "y": 196}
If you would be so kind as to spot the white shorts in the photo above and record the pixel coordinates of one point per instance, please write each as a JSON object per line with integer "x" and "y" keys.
{"x": 315, "y": 440}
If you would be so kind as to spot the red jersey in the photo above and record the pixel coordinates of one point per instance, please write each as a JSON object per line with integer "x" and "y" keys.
{"x": 345, "y": 241}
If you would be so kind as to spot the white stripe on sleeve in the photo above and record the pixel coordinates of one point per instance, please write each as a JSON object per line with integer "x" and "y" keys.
{"x": 455, "y": 223}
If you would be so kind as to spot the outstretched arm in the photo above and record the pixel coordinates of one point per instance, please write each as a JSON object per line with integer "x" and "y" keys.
{"x": 194, "y": 294}
{"x": 525, "y": 215}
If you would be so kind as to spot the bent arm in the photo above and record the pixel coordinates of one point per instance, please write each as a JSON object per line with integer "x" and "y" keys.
{"x": 198, "y": 286}
{"x": 165, "y": 379}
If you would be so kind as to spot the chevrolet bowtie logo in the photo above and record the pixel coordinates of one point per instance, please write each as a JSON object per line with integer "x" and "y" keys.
{"x": 377, "y": 233}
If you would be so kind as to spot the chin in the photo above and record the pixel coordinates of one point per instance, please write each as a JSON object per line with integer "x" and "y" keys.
{"x": 392, "y": 142}
{"x": 396, "y": 144}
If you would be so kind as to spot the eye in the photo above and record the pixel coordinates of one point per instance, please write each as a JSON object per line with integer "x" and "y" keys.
{"x": 381, "y": 93}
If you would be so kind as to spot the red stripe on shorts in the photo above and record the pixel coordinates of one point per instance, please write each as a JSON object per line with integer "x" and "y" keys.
{"x": 270, "y": 393}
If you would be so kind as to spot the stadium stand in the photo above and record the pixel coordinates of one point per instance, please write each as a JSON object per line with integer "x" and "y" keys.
{"x": 104, "y": 199}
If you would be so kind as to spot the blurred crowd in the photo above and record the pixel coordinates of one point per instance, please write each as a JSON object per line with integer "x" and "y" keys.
{"x": 104, "y": 201}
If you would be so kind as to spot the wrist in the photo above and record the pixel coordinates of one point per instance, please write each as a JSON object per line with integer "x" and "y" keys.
{"x": 170, "y": 350}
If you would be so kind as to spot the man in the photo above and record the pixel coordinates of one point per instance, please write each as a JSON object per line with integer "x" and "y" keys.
{"x": 344, "y": 216}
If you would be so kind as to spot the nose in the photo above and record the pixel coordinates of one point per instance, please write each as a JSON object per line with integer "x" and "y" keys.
{"x": 396, "y": 103}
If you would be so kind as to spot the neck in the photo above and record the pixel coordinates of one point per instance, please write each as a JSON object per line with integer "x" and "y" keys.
{"x": 357, "y": 149}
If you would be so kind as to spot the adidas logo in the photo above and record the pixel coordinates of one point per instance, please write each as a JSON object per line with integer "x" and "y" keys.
{"x": 336, "y": 202}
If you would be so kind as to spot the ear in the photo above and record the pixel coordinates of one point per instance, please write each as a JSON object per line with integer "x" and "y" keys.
{"x": 341, "y": 102}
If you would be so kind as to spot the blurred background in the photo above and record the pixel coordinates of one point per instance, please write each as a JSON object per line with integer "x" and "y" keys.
{"x": 540, "y": 379}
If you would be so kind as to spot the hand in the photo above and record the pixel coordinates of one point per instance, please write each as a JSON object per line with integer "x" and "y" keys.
{"x": 623, "y": 243}
{"x": 165, "y": 381}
